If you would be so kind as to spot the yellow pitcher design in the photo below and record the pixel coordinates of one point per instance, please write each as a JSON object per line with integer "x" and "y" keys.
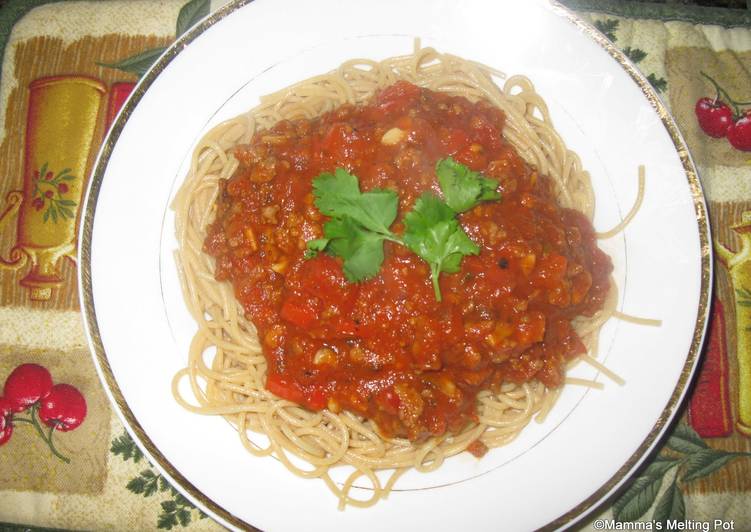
{"x": 62, "y": 118}
{"x": 739, "y": 267}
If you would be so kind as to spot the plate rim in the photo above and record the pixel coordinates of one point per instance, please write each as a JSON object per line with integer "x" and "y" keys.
{"x": 604, "y": 492}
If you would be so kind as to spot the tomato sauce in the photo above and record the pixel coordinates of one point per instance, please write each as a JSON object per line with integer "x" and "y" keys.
{"x": 385, "y": 348}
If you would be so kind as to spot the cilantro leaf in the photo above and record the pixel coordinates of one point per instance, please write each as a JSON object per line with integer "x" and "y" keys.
{"x": 314, "y": 246}
{"x": 362, "y": 250}
{"x": 360, "y": 222}
{"x": 338, "y": 195}
{"x": 434, "y": 234}
{"x": 462, "y": 187}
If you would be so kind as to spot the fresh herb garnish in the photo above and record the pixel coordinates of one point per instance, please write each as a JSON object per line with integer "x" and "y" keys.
{"x": 432, "y": 231}
{"x": 462, "y": 187}
{"x": 360, "y": 221}
{"x": 339, "y": 195}
{"x": 361, "y": 249}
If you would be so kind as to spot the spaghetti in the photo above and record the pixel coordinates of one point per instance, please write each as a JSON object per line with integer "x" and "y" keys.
{"x": 227, "y": 369}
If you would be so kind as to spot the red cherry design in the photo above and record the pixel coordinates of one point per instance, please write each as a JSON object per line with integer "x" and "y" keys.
{"x": 714, "y": 116}
{"x": 63, "y": 408}
{"x": 62, "y": 188}
{"x": 717, "y": 119}
{"x": 6, "y": 420}
{"x": 49, "y": 193}
{"x": 38, "y": 204}
{"x": 26, "y": 385}
{"x": 49, "y": 175}
{"x": 6, "y": 433}
{"x": 739, "y": 133}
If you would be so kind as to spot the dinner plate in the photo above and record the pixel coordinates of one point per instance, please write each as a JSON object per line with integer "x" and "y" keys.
{"x": 556, "y": 472}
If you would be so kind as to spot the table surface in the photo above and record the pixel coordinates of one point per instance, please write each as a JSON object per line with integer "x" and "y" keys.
{"x": 113, "y": 42}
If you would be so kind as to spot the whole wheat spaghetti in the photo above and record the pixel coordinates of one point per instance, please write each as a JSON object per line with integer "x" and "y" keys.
{"x": 226, "y": 367}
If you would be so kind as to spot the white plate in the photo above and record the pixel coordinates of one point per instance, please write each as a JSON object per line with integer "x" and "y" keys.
{"x": 555, "y": 472}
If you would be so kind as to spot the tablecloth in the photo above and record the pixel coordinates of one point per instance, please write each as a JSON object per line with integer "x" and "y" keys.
{"x": 67, "y": 67}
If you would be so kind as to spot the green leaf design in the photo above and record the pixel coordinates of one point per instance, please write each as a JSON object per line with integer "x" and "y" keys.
{"x": 607, "y": 27}
{"x": 685, "y": 440}
{"x": 183, "y": 516}
{"x": 53, "y": 214}
{"x": 124, "y": 446}
{"x": 166, "y": 521}
{"x": 46, "y": 216}
{"x": 42, "y": 171}
{"x": 191, "y": 13}
{"x": 169, "y": 506}
{"x": 659, "y": 84}
{"x": 635, "y": 54}
{"x": 145, "y": 484}
{"x": 706, "y": 462}
{"x": 640, "y": 496}
{"x": 137, "y": 64}
{"x": 671, "y": 505}
{"x": 67, "y": 202}
{"x": 68, "y": 177}
{"x": 176, "y": 511}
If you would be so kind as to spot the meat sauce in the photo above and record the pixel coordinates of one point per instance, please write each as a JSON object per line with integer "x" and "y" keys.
{"x": 385, "y": 348}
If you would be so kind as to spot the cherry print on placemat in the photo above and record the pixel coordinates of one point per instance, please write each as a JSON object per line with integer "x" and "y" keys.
{"x": 51, "y": 407}
{"x": 722, "y": 116}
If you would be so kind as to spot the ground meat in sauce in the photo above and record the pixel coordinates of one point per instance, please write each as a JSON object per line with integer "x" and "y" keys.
{"x": 385, "y": 348}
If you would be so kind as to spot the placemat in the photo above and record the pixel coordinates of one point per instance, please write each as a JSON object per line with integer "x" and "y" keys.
{"x": 67, "y": 68}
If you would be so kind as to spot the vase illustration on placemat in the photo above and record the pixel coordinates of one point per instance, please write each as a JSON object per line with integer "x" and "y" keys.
{"x": 62, "y": 118}
{"x": 119, "y": 93}
{"x": 738, "y": 265}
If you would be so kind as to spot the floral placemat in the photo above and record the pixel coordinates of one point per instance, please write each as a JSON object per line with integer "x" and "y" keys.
{"x": 67, "y": 68}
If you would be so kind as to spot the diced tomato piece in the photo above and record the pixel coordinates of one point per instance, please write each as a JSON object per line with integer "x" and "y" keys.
{"x": 283, "y": 388}
{"x": 477, "y": 448}
{"x": 317, "y": 399}
{"x": 297, "y": 314}
{"x": 314, "y": 398}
